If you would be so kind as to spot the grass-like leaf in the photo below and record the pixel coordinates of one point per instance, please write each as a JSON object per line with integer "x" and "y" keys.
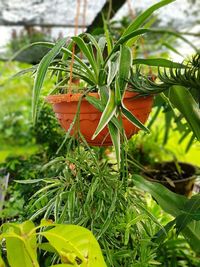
{"x": 133, "y": 119}
{"x": 158, "y": 62}
{"x": 83, "y": 47}
{"x": 41, "y": 73}
{"x": 115, "y": 136}
{"x": 123, "y": 73}
{"x": 145, "y": 15}
{"x": 107, "y": 114}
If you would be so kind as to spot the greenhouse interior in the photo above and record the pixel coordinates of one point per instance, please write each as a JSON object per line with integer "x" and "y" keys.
{"x": 100, "y": 133}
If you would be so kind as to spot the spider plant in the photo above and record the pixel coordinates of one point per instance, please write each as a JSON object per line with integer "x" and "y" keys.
{"x": 178, "y": 87}
{"x": 106, "y": 75}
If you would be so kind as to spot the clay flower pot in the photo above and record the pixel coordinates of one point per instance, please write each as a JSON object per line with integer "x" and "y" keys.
{"x": 65, "y": 108}
{"x": 166, "y": 173}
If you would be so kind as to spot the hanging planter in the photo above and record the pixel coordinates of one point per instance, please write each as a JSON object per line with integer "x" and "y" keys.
{"x": 65, "y": 108}
{"x": 103, "y": 66}
{"x": 178, "y": 177}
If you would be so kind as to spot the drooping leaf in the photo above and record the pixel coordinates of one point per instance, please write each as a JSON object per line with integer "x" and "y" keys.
{"x": 133, "y": 119}
{"x": 83, "y": 47}
{"x": 140, "y": 20}
{"x": 112, "y": 71}
{"x": 97, "y": 47}
{"x": 107, "y": 114}
{"x": 107, "y": 35}
{"x": 98, "y": 105}
{"x": 115, "y": 136}
{"x": 123, "y": 73}
{"x": 41, "y": 73}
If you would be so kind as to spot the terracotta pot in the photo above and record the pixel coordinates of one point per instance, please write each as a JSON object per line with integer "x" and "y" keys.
{"x": 65, "y": 108}
{"x": 183, "y": 186}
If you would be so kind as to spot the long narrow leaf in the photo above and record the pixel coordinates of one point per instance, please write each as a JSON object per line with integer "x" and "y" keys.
{"x": 98, "y": 105}
{"x": 107, "y": 35}
{"x": 133, "y": 119}
{"x": 83, "y": 47}
{"x": 98, "y": 49}
{"x": 107, "y": 114}
{"x": 145, "y": 15}
{"x": 158, "y": 62}
{"x": 112, "y": 71}
{"x": 123, "y": 73}
{"x": 115, "y": 136}
{"x": 41, "y": 73}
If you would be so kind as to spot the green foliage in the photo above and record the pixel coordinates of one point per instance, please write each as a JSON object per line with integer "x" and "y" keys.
{"x": 178, "y": 88}
{"x": 48, "y": 136}
{"x": 110, "y": 72}
{"x": 75, "y": 245}
{"x": 186, "y": 211}
{"x": 91, "y": 193}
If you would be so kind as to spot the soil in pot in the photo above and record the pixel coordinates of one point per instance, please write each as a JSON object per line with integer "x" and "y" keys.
{"x": 65, "y": 108}
{"x": 178, "y": 177}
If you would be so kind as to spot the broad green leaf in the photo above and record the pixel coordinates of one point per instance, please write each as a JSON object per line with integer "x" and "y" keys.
{"x": 160, "y": 62}
{"x": 75, "y": 242}
{"x": 47, "y": 247}
{"x": 115, "y": 136}
{"x": 21, "y": 245}
{"x": 133, "y": 119}
{"x": 182, "y": 99}
{"x": 160, "y": 236}
{"x": 41, "y": 73}
{"x": 107, "y": 114}
{"x": 173, "y": 204}
{"x": 169, "y": 201}
{"x": 191, "y": 212}
{"x": 192, "y": 234}
{"x": 83, "y": 47}
{"x": 145, "y": 15}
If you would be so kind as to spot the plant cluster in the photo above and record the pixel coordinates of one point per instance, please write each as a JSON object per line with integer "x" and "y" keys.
{"x": 81, "y": 185}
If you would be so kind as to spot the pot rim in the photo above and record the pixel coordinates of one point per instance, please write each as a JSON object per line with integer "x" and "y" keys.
{"x": 74, "y": 97}
{"x": 192, "y": 177}
{"x": 174, "y": 181}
